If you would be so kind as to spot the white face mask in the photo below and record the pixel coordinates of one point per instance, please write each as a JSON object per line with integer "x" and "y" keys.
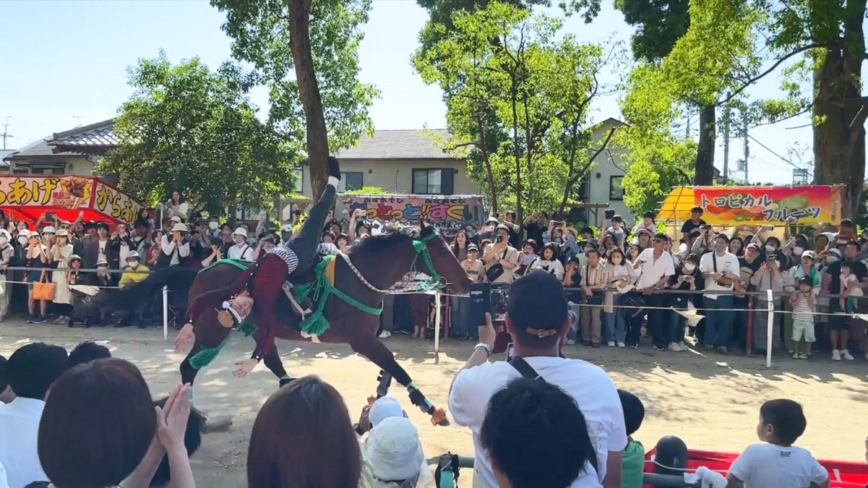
{"x": 22, "y": 240}
{"x": 831, "y": 259}
{"x": 689, "y": 267}
{"x": 213, "y": 225}
{"x": 771, "y": 248}
{"x": 133, "y": 263}
{"x": 797, "y": 251}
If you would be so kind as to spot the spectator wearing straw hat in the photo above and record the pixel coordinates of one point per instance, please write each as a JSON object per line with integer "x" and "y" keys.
{"x": 177, "y": 248}
{"x": 240, "y": 250}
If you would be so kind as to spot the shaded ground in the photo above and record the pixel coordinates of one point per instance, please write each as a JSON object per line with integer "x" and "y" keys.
{"x": 711, "y": 402}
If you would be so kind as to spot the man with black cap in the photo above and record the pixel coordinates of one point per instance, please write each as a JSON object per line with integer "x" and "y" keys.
{"x": 32, "y": 369}
{"x": 538, "y": 322}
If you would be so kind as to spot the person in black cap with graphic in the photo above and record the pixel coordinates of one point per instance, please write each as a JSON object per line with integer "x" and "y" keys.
{"x": 538, "y": 322}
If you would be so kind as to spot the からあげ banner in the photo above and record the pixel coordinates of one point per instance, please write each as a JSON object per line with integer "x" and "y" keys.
{"x": 30, "y": 196}
{"x": 769, "y": 205}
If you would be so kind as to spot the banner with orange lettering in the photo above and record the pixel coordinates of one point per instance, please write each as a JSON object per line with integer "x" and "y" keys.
{"x": 28, "y": 197}
{"x": 769, "y": 205}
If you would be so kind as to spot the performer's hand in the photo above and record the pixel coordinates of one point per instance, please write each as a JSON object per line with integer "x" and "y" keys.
{"x": 245, "y": 367}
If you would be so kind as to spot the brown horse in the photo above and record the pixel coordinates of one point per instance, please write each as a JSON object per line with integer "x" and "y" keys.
{"x": 381, "y": 261}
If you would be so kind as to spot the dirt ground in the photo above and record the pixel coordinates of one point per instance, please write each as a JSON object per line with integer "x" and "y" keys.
{"x": 711, "y": 402}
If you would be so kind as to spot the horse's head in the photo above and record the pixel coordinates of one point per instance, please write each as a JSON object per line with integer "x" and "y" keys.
{"x": 445, "y": 263}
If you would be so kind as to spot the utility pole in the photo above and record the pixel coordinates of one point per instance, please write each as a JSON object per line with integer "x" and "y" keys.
{"x": 77, "y": 120}
{"x": 746, "y": 146}
{"x": 726, "y": 142}
{"x": 6, "y": 131}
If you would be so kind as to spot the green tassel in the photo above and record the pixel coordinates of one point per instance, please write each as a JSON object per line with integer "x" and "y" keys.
{"x": 207, "y": 355}
{"x": 247, "y": 328}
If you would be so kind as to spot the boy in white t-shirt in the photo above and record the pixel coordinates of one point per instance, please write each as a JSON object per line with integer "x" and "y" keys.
{"x": 776, "y": 462}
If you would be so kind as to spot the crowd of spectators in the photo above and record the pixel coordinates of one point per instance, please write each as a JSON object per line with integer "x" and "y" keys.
{"x": 703, "y": 288}
{"x": 85, "y": 419}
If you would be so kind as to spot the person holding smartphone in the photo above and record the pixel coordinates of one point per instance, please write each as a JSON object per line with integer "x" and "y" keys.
{"x": 721, "y": 271}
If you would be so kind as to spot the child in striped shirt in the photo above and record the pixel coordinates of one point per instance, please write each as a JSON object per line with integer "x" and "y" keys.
{"x": 804, "y": 307}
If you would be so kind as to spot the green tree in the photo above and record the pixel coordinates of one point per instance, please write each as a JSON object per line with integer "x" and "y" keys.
{"x": 504, "y": 71}
{"x": 309, "y": 67}
{"x": 188, "y": 128}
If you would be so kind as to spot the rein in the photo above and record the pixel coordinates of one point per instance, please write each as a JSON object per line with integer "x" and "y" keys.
{"x": 436, "y": 282}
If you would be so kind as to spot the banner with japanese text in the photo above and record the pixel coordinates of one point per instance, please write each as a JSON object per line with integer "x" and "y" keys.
{"x": 447, "y": 213}
{"x": 30, "y": 197}
{"x": 769, "y": 205}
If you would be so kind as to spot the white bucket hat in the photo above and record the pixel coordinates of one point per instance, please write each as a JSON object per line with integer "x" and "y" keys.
{"x": 49, "y": 230}
{"x": 393, "y": 450}
{"x": 182, "y": 227}
{"x": 383, "y": 408}
{"x": 241, "y": 231}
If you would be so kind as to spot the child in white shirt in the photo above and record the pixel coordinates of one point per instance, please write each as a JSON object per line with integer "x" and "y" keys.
{"x": 776, "y": 462}
{"x": 646, "y": 224}
{"x": 849, "y": 289}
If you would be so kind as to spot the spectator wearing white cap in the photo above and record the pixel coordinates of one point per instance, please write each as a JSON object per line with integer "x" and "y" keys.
{"x": 60, "y": 254}
{"x": 176, "y": 249}
{"x": 7, "y": 252}
{"x": 240, "y": 250}
{"x": 388, "y": 452}
{"x": 394, "y": 455}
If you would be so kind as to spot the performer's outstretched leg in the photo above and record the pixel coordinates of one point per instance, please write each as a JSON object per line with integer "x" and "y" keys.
{"x": 305, "y": 243}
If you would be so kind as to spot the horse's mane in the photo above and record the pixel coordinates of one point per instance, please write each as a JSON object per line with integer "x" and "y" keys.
{"x": 393, "y": 237}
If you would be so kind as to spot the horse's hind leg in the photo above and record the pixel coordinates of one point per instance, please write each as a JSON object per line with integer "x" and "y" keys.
{"x": 273, "y": 362}
{"x": 376, "y": 351}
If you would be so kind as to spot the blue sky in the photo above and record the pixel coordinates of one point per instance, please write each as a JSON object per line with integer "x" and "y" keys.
{"x": 65, "y": 59}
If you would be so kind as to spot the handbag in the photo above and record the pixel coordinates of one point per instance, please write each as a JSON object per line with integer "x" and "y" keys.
{"x": 495, "y": 271}
{"x": 42, "y": 289}
{"x": 595, "y": 298}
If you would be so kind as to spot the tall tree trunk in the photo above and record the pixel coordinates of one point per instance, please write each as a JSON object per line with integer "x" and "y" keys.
{"x": 308, "y": 92}
{"x": 704, "y": 175}
{"x": 517, "y": 152}
{"x": 489, "y": 175}
{"x": 839, "y": 140}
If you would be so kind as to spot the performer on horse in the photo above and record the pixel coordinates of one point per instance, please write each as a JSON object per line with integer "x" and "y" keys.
{"x": 259, "y": 288}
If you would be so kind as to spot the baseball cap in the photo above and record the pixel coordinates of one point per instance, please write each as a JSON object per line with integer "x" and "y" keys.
{"x": 472, "y": 247}
{"x": 754, "y": 246}
{"x": 537, "y": 304}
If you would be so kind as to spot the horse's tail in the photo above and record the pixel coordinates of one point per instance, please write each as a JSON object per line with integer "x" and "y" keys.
{"x": 215, "y": 298}
{"x": 131, "y": 297}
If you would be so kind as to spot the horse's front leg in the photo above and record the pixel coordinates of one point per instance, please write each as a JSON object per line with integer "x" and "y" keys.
{"x": 376, "y": 351}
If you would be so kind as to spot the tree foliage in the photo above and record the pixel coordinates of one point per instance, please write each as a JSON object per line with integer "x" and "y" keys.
{"x": 260, "y": 30}
{"x": 188, "y": 128}
{"x": 518, "y": 96}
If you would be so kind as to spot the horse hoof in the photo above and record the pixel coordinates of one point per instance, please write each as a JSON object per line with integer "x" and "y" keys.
{"x": 438, "y": 417}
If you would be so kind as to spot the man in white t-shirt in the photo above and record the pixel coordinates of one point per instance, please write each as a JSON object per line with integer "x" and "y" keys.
{"x": 721, "y": 270}
{"x": 501, "y": 254}
{"x": 538, "y": 322}
{"x": 776, "y": 462}
{"x": 32, "y": 369}
{"x": 656, "y": 266}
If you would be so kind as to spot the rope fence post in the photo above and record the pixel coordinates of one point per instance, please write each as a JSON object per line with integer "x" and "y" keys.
{"x": 165, "y": 313}
{"x": 748, "y": 340}
{"x": 770, "y": 333}
{"x": 437, "y": 321}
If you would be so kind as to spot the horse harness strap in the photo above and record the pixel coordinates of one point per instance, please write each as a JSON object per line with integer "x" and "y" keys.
{"x": 421, "y": 247}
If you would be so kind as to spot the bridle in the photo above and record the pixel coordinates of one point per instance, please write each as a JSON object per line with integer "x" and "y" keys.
{"x": 436, "y": 282}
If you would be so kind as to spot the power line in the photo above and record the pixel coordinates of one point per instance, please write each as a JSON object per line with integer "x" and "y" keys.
{"x": 778, "y": 155}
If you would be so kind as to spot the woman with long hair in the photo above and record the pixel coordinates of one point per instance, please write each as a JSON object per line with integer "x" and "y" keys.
{"x": 459, "y": 246}
{"x": 621, "y": 274}
{"x": 303, "y": 437}
{"x": 736, "y": 246}
{"x": 177, "y": 206}
{"x": 61, "y": 253}
{"x": 633, "y": 253}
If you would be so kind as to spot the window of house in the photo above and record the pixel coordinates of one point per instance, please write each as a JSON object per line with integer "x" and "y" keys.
{"x": 19, "y": 170}
{"x": 48, "y": 171}
{"x": 353, "y": 180}
{"x": 616, "y": 188}
{"x": 299, "y": 179}
{"x": 433, "y": 181}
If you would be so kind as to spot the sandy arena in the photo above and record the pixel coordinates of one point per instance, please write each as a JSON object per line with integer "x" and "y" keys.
{"x": 711, "y": 402}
